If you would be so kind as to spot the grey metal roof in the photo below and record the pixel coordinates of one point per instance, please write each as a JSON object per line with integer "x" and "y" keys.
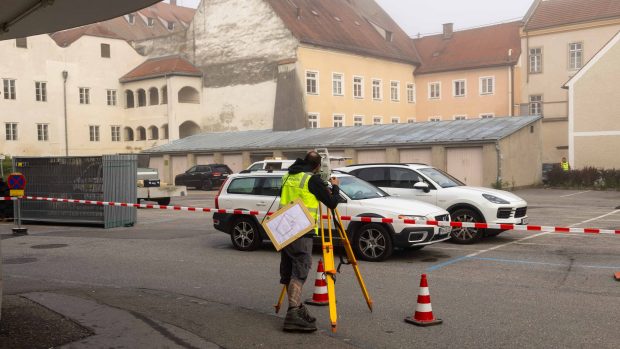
{"x": 422, "y": 133}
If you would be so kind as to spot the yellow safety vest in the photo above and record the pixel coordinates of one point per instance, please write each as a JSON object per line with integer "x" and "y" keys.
{"x": 296, "y": 186}
{"x": 565, "y": 166}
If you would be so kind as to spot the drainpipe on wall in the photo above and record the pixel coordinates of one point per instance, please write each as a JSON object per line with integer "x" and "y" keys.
{"x": 498, "y": 180}
{"x": 65, "y": 74}
{"x": 510, "y": 85}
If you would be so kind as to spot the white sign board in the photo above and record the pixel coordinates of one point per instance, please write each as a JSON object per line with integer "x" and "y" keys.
{"x": 288, "y": 224}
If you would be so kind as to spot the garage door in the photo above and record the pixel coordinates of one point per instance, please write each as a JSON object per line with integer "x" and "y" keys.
{"x": 415, "y": 156}
{"x": 204, "y": 159}
{"x": 179, "y": 165}
{"x": 370, "y": 156}
{"x": 234, "y": 161}
{"x": 466, "y": 165}
{"x": 337, "y": 154}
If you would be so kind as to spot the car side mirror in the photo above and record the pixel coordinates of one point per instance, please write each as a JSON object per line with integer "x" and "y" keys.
{"x": 422, "y": 186}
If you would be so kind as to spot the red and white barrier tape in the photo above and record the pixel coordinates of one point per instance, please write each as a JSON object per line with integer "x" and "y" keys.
{"x": 344, "y": 218}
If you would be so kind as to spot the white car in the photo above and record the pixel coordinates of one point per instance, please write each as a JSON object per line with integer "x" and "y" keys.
{"x": 371, "y": 241}
{"x": 269, "y": 165}
{"x": 465, "y": 203}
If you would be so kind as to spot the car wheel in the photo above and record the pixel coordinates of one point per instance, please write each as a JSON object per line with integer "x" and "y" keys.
{"x": 372, "y": 243}
{"x": 466, "y": 235}
{"x": 163, "y": 201}
{"x": 244, "y": 234}
{"x": 206, "y": 185}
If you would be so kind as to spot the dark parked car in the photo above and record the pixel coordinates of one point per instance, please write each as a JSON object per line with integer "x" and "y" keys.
{"x": 205, "y": 177}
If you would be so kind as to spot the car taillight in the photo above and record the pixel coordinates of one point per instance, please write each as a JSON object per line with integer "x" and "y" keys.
{"x": 217, "y": 197}
{"x": 216, "y": 174}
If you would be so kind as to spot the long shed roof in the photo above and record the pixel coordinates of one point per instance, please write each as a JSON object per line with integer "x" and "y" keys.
{"x": 442, "y": 132}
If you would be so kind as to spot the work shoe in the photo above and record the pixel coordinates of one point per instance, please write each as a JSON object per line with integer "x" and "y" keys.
{"x": 306, "y": 315}
{"x": 296, "y": 322}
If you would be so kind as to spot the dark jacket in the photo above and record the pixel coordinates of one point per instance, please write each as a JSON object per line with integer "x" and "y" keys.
{"x": 316, "y": 185}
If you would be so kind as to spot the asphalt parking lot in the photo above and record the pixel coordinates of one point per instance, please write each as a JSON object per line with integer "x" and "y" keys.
{"x": 519, "y": 289}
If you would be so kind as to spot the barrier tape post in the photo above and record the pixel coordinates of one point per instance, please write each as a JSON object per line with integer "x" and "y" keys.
{"x": 590, "y": 231}
{"x": 17, "y": 184}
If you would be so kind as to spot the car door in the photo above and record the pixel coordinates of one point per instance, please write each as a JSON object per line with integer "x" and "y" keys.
{"x": 268, "y": 195}
{"x": 241, "y": 193}
{"x": 189, "y": 177}
{"x": 402, "y": 182}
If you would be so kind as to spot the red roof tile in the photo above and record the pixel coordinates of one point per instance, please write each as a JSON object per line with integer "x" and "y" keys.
{"x": 157, "y": 67}
{"x": 470, "y": 49}
{"x": 345, "y": 25}
{"x": 552, "y": 13}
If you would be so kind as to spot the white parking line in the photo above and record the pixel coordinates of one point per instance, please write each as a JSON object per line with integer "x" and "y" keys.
{"x": 581, "y": 192}
{"x": 595, "y": 218}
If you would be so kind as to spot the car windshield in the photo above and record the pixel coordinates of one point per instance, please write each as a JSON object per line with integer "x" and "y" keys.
{"x": 358, "y": 189}
{"x": 443, "y": 179}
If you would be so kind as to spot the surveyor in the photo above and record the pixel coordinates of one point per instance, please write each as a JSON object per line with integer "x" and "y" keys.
{"x": 303, "y": 181}
{"x": 565, "y": 165}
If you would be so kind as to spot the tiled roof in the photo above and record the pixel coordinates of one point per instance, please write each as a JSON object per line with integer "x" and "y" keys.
{"x": 552, "y": 13}
{"x": 371, "y": 136}
{"x": 120, "y": 28}
{"x": 162, "y": 66}
{"x": 355, "y": 26}
{"x": 469, "y": 49}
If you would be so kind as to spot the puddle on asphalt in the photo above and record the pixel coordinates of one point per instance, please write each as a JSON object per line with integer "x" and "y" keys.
{"x": 41, "y": 247}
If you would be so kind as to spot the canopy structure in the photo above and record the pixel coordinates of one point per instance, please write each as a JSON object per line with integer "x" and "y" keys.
{"x": 22, "y": 18}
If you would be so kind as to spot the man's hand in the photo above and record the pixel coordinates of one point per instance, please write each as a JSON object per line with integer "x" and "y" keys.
{"x": 334, "y": 181}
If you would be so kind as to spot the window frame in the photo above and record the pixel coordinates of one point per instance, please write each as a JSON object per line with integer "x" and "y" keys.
{"x": 487, "y": 115}
{"x": 411, "y": 92}
{"x": 397, "y": 118}
{"x": 11, "y": 131}
{"x": 379, "y": 89}
{"x": 539, "y": 61}
{"x": 482, "y": 85}
{"x": 375, "y": 117}
{"x": 430, "y": 90}
{"x": 106, "y": 49}
{"x": 43, "y": 132}
{"x": 435, "y": 118}
{"x": 40, "y": 91}
{"x": 342, "y": 121}
{"x": 318, "y": 118}
{"x": 316, "y": 82}
{"x": 116, "y": 128}
{"x": 334, "y": 81}
{"x": 361, "y": 87}
{"x": 9, "y": 89}
{"x": 531, "y": 103}
{"x": 579, "y": 51}
{"x": 459, "y": 117}
{"x": 355, "y": 121}
{"x": 394, "y": 86}
{"x": 84, "y": 95}
{"x": 411, "y": 120}
{"x": 111, "y": 97}
{"x": 454, "y": 88}
{"x": 94, "y": 133}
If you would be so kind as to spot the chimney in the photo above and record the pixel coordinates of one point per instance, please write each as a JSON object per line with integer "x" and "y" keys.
{"x": 448, "y": 30}
{"x": 173, "y": 2}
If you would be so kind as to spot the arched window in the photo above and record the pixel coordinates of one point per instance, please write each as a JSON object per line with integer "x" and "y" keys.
{"x": 153, "y": 132}
{"x": 164, "y": 131}
{"x": 189, "y": 95}
{"x": 129, "y": 101}
{"x": 128, "y": 134}
{"x": 153, "y": 96}
{"x": 188, "y": 128}
{"x": 141, "y": 98}
{"x": 141, "y": 133}
{"x": 164, "y": 95}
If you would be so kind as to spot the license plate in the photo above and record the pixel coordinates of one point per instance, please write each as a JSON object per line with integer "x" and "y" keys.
{"x": 443, "y": 231}
{"x": 525, "y": 221}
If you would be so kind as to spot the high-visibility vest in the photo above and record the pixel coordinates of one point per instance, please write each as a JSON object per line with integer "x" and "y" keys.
{"x": 565, "y": 166}
{"x": 296, "y": 186}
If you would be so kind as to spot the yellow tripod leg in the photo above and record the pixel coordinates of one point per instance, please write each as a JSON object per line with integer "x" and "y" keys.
{"x": 352, "y": 259}
{"x": 330, "y": 270}
{"x": 280, "y": 299}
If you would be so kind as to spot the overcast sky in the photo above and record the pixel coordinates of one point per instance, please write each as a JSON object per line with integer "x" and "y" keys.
{"x": 427, "y": 16}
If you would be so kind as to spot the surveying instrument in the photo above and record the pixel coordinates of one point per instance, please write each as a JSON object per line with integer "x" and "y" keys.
{"x": 328, "y": 250}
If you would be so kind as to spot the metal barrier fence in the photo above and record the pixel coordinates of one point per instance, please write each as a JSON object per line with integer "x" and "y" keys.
{"x": 108, "y": 177}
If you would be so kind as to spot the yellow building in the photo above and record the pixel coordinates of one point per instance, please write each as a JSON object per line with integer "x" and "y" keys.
{"x": 468, "y": 74}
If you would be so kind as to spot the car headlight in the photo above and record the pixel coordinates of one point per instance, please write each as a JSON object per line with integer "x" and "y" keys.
{"x": 494, "y": 199}
{"x": 416, "y": 218}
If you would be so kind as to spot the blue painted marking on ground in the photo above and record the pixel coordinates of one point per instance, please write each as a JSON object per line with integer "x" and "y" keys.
{"x": 448, "y": 262}
{"x": 518, "y": 261}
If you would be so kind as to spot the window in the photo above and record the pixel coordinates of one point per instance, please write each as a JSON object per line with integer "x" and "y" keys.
{"x": 460, "y": 117}
{"x": 395, "y": 91}
{"x": 395, "y": 120}
{"x": 536, "y": 105}
{"x": 410, "y": 93}
{"x": 21, "y": 42}
{"x": 575, "y": 55}
{"x": 116, "y": 133}
{"x": 487, "y": 85}
{"x": 150, "y": 21}
{"x": 403, "y": 178}
{"x": 105, "y": 50}
{"x": 242, "y": 185}
{"x": 84, "y": 95}
{"x": 376, "y": 89}
{"x": 11, "y": 131}
{"x": 458, "y": 88}
{"x": 358, "y": 87}
{"x": 131, "y": 18}
{"x": 374, "y": 175}
{"x": 170, "y": 25}
{"x": 411, "y": 121}
{"x": 337, "y": 89}
{"x": 94, "y": 133}
{"x": 377, "y": 120}
{"x": 358, "y": 120}
{"x": 338, "y": 120}
{"x": 487, "y": 116}
{"x": 43, "y": 132}
{"x": 535, "y": 60}
{"x": 111, "y": 97}
{"x": 312, "y": 79}
{"x": 434, "y": 118}
{"x": 9, "y": 88}
{"x": 313, "y": 120}
{"x": 434, "y": 90}
{"x": 40, "y": 91}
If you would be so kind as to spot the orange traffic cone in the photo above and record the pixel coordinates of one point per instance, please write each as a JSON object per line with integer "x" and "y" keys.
{"x": 423, "y": 311}
{"x": 319, "y": 297}
{"x": 617, "y": 276}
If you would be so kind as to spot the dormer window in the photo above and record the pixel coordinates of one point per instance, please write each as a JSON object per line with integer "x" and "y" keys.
{"x": 150, "y": 21}
{"x": 170, "y": 25}
{"x": 388, "y": 36}
{"x": 131, "y": 18}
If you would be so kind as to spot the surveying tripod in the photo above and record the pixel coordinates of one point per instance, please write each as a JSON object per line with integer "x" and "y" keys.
{"x": 330, "y": 266}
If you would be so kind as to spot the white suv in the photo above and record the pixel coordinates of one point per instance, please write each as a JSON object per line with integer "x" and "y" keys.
{"x": 465, "y": 204}
{"x": 269, "y": 165}
{"x": 259, "y": 191}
